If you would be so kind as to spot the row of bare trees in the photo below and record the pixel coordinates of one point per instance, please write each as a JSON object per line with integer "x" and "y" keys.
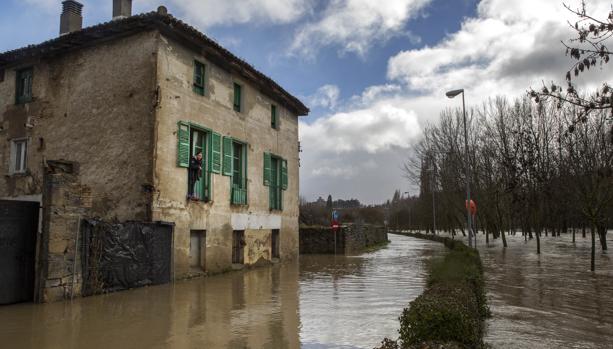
{"x": 534, "y": 169}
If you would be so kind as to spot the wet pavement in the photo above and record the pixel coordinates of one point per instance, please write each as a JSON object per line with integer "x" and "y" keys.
{"x": 552, "y": 300}
{"x": 320, "y": 302}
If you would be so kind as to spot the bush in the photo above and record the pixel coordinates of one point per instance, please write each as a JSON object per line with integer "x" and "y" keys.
{"x": 452, "y": 308}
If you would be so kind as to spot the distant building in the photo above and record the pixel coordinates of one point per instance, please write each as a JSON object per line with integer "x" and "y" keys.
{"x": 130, "y": 101}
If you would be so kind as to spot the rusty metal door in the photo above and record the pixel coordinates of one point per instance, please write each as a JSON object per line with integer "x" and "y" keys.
{"x": 18, "y": 226}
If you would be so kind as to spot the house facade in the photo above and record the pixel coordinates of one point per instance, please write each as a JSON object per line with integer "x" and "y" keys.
{"x": 131, "y": 101}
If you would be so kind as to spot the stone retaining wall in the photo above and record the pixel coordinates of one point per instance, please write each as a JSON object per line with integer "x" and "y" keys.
{"x": 350, "y": 239}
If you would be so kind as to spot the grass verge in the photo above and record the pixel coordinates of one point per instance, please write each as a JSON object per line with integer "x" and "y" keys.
{"x": 450, "y": 313}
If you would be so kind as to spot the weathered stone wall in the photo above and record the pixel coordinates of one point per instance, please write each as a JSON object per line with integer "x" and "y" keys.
{"x": 93, "y": 106}
{"x": 350, "y": 239}
{"x": 320, "y": 240}
{"x": 65, "y": 202}
{"x": 359, "y": 237}
{"x": 214, "y": 111}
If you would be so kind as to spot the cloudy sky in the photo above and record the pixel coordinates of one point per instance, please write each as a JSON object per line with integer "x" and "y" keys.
{"x": 374, "y": 73}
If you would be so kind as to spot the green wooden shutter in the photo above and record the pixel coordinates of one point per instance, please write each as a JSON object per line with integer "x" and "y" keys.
{"x": 228, "y": 156}
{"x": 237, "y": 97}
{"x": 273, "y": 116}
{"x": 183, "y": 144}
{"x": 198, "y": 78}
{"x": 284, "y": 174}
{"x": 215, "y": 158}
{"x": 267, "y": 169}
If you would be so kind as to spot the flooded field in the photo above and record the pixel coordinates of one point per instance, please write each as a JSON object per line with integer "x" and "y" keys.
{"x": 551, "y": 300}
{"x": 321, "y": 302}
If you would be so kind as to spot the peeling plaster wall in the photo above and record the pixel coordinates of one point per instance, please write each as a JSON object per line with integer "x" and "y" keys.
{"x": 214, "y": 111}
{"x": 93, "y": 106}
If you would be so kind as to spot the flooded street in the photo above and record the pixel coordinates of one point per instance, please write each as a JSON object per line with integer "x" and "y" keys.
{"x": 322, "y": 302}
{"x": 551, "y": 300}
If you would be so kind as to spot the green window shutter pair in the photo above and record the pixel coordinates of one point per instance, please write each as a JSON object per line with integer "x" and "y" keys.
{"x": 228, "y": 156}
{"x": 237, "y": 97}
{"x": 183, "y": 155}
{"x": 199, "y": 70}
{"x": 183, "y": 145}
{"x": 268, "y": 168}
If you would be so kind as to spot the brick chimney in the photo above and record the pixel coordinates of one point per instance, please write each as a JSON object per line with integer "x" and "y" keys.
{"x": 122, "y": 9}
{"x": 71, "y": 19}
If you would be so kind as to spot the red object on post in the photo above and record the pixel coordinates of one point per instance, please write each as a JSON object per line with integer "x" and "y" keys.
{"x": 473, "y": 207}
{"x": 335, "y": 225}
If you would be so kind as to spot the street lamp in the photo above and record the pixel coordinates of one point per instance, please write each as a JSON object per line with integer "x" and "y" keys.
{"x": 452, "y": 94}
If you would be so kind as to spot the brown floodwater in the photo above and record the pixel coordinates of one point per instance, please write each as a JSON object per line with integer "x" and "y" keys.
{"x": 318, "y": 302}
{"x": 551, "y": 300}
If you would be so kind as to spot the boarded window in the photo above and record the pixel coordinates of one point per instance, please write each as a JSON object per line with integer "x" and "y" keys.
{"x": 238, "y": 244}
{"x": 275, "y": 243}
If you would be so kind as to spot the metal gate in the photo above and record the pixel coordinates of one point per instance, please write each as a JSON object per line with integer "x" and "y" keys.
{"x": 18, "y": 226}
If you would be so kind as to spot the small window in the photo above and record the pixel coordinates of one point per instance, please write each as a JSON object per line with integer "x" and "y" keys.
{"x": 237, "y": 97}
{"x": 19, "y": 155}
{"x": 273, "y": 116}
{"x": 199, "y": 71}
{"x": 23, "y": 86}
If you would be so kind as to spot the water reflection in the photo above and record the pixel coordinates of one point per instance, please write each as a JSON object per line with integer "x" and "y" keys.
{"x": 550, "y": 300}
{"x": 321, "y": 302}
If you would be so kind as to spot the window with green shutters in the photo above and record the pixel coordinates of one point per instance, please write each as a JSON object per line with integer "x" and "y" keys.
{"x": 199, "y": 71}
{"x": 23, "y": 85}
{"x": 235, "y": 165}
{"x": 191, "y": 140}
{"x": 275, "y": 177}
{"x": 238, "y": 97}
{"x": 273, "y": 116}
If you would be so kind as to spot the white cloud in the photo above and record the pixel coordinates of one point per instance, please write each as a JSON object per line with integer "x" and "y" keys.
{"x": 356, "y": 25}
{"x": 227, "y": 12}
{"x": 378, "y": 128}
{"x": 325, "y": 97}
{"x": 509, "y": 47}
{"x": 374, "y": 93}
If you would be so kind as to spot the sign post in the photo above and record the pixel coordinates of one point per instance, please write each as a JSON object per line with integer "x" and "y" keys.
{"x": 472, "y": 208}
{"x": 335, "y": 226}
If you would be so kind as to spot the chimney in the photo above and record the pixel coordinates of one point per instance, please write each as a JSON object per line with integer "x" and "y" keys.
{"x": 122, "y": 9}
{"x": 71, "y": 19}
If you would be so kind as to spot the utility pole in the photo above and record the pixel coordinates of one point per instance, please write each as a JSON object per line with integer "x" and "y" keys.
{"x": 452, "y": 94}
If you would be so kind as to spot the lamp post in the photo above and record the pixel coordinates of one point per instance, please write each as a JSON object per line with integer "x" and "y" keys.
{"x": 452, "y": 94}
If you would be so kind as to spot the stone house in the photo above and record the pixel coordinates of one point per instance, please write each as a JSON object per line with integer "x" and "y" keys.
{"x": 130, "y": 101}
